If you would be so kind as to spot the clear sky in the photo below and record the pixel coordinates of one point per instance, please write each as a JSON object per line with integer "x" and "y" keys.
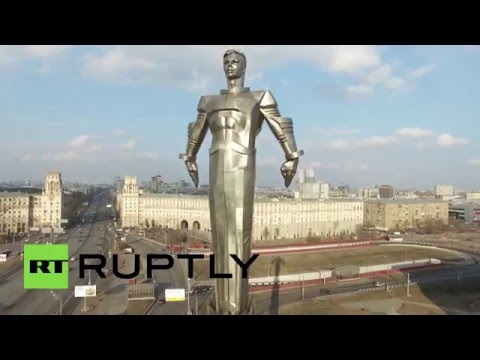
{"x": 408, "y": 116}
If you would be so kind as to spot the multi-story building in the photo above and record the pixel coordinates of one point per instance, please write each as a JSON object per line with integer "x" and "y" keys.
{"x": 14, "y": 212}
{"x": 443, "y": 190}
{"x": 389, "y": 214}
{"x": 308, "y": 188}
{"x": 465, "y": 210}
{"x": 406, "y": 195}
{"x": 368, "y": 193}
{"x": 21, "y": 211}
{"x": 156, "y": 184}
{"x": 472, "y": 196}
{"x": 272, "y": 219}
{"x": 385, "y": 191}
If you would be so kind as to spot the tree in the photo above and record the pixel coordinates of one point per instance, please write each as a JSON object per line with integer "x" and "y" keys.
{"x": 153, "y": 223}
{"x": 277, "y": 232}
{"x": 265, "y": 233}
{"x": 147, "y": 224}
{"x": 435, "y": 225}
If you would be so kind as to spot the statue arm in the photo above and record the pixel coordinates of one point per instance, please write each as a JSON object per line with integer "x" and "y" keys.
{"x": 196, "y": 133}
{"x": 281, "y": 127}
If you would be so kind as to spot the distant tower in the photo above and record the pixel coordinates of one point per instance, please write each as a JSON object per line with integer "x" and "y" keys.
{"x": 52, "y": 200}
{"x": 385, "y": 191}
{"x": 129, "y": 208}
{"x": 130, "y": 186}
{"x": 310, "y": 173}
{"x": 301, "y": 176}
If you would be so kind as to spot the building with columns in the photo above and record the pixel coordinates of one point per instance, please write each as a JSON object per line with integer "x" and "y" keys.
{"x": 272, "y": 219}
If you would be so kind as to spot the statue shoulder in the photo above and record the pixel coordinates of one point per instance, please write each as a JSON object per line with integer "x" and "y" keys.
{"x": 202, "y": 103}
{"x": 267, "y": 99}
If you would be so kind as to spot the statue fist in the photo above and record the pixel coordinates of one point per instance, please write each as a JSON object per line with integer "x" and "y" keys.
{"x": 193, "y": 171}
{"x": 289, "y": 168}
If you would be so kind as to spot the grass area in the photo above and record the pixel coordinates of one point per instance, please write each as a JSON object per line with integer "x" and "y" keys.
{"x": 327, "y": 259}
{"x": 441, "y": 298}
{"x": 327, "y": 307}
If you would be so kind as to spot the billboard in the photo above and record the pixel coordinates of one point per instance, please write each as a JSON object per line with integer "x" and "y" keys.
{"x": 35, "y": 228}
{"x": 85, "y": 290}
{"x": 46, "y": 230}
{"x": 64, "y": 221}
{"x": 174, "y": 294}
{"x": 3, "y": 257}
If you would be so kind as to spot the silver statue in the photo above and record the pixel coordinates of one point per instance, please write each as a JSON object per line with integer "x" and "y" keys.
{"x": 235, "y": 118}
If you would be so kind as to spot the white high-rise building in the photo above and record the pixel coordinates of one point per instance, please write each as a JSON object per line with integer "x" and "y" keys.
{"x": 310, "y": 189}
{"x": 310, "y": 173}
{"x": 443, "y": 190}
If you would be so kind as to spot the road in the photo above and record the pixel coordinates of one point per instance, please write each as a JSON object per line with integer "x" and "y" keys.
{"x": 85, "y": 238}
{"x": 268, "y": 303}
{"x": 173, "y": 278}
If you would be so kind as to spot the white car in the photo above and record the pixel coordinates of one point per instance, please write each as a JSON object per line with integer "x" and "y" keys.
{"x": 379, "y": 283}
{"x": 73, "y": 258}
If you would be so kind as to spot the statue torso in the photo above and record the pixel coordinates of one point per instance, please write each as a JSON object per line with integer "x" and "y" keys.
{"x": 234, "y": 117}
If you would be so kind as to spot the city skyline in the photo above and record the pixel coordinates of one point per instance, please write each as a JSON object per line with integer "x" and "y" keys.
{"x": 365, "y": 115}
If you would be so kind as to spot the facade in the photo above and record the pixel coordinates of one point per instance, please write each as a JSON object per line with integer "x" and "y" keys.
{"x": 389, "y": 214}
{"x": 14, "y": 212}
{"x": 368, "y": 193}
{"x": 472, "y": 196}
{"x": 406, "y": 195}
{"x": 19, "y": 212}
{"x": 465, "y": 210}
{"x": 272, "y": 219}
{"x": 443, "y": 190}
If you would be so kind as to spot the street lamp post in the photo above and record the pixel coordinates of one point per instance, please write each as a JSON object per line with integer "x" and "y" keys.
{"x": 196, "y": 304}
{"x": 189, "y": 311}
{"x": 408, "y": 284}
{"x": 56, "y": 297}
{"x": 85, "y": 308}
{"x": 303, "y": 288}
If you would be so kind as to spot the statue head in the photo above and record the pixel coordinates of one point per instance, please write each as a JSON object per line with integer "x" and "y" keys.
{"x": 234, "y": 64}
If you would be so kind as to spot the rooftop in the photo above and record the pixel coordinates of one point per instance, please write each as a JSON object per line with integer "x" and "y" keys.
{"x": 405, "y": 201}
{"x": 257, "y": 200}
{"x": 13, "y": 194}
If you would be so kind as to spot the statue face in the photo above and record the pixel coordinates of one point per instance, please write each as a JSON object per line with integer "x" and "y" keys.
{"x": 234, "y": 66}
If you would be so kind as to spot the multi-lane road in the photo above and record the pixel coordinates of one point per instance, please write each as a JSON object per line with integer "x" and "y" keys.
{"x": 90, "y": 236}
{"x": 87, "y": 237}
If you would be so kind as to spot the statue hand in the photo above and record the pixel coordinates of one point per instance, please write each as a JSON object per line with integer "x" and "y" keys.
{"x": 289, "y": 168}
{"x": 193, "y": 171}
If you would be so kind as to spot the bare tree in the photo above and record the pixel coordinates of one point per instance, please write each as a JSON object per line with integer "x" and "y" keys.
{"x": 265, "y": 233}
{"x": 433, "y": 226}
